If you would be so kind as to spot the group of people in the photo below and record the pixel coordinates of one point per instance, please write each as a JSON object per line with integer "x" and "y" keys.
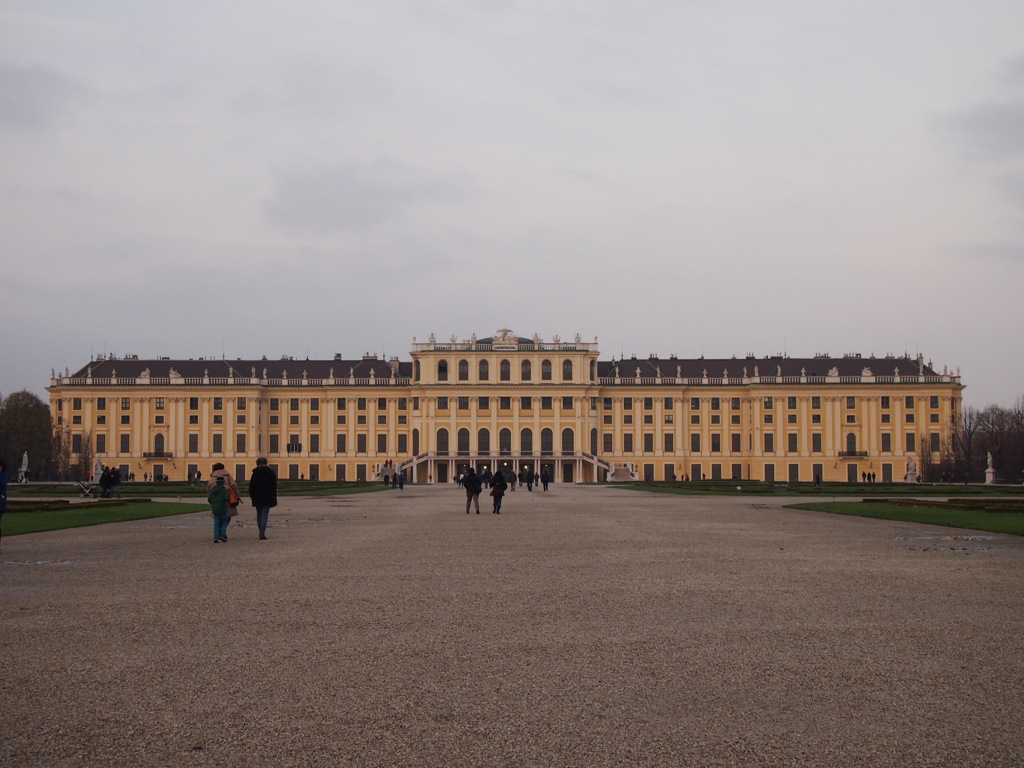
{"x": 395, "y": 480}
{"x": 222, "y": 493}
{"x": 473, "y": 484}
{"x": 110, "y": 482}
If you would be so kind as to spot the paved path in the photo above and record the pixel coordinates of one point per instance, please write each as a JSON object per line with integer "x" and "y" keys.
{"x": 590, "y": 626}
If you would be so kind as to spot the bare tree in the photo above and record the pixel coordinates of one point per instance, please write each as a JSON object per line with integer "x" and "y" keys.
{"x": 61, "y": 452}
{"x": 965, "y": 445}
{"x": 85, "y": 456}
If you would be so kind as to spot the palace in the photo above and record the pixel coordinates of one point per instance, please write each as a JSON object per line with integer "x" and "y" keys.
{"x": 509, "y": 402}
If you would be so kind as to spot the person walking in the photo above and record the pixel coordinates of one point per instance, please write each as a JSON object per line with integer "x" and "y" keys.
{"x": 544, "y": 479}
{"x": 4, "y": 479}
{"x": 263, "y": 493}
{"x": 498, "y": 486}
{"x": 471, "y": 482}
{"x": 218, "y": 497}
{"x": 229, "y": 483}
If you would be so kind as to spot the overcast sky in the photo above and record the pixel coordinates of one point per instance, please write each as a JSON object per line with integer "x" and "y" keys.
{"x": 673, "y": 177}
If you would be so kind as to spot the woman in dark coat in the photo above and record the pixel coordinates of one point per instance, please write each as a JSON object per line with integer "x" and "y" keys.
{"x": 498, "y": 486}
{"x": 263, "y": 492}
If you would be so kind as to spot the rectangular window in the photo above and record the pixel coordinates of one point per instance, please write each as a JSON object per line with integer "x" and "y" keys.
{"x": 126, "y": 403}
{"x": 606, "y": 439}
{"x": 566, "y": 403}
{"x": 627, "y": 418}
{"x": 101, "y": 444}
{"x": 76, "y": 419}
{"x": 361, "y": 403}
{"x": 851, "y": 418}
{"x": 695, "y": 442}
{"x": 933, "y": 401}
{"x": 339, "y": 443}
{"x": 648, "y": 403}
{"x": 240, "y": 403}
{"x": 607, "y": 404}
{"x": 670, "y": 442}
{"x": 716, "y": 418}
{"x": 158, "y": 420}
{"x": 734, "y": 419}
{"x": 194, "y": 419}
{"x": 76, "y": 443}
{"x": 911, "y": 442}
{"x": 545, "y": 404}
{"x": 815, "y": 418}
{"x": 736, "y": 439}
{"x": 648, "y": 418}
{"x": 240, "y": 418}
{"x": 716, "y": 403}
{"x": 126, "y": 419}
{"x": 361, "y": 419}
{"x": 483, "y": 403}
{"x": 293, "y": 420}
{"x": 607, "y": 418}
{"x": 886, "y": 442}
{"x": 275, "y": 443}
{"x": 193, "y": 443}
{"x": 240, "y": 442}
{"x": 769, "y": 418}
{"x": 668, "y": 404}
{"x": 442, "y": 404}
{"x": 910, "y": 418}
{"x": 791, "y": 418}
{"x": 668, "y": 418}
{"x": 935, "y": 445}
{"x": 158, "y": 404}
{"x": 101, "y": 419}
{"x": 505, "y": 403}
{"x": 791, "y": 403}
{"x": 382, "y": 403}
{"x": 769, "y": 442}
{"x": 293, "y": 404}
{"x": 716, "y": 443}
{"x": 314, "y": 443}
{"x": 403, "y": 404}
{"x": 648, "y": 442}
{"x": 382, "y": 419}
{"x": 403, "y": 443}
{"x": 816, "y": 442}
{"x": 885, "y": 402}
{"x": 933, "y": 418}
{"x": 886, "y": 418}
{"x": 341, "y": 404}
{"x": 908, "y": 401}
{"x": 695, "y": 418}
{"x": 218, "y": 403}
{"x": 526, "y": 403}
{"x": 341, "y": 418}
{"x": 101, "y": 404}
{"x": 314, "y": 403}
{"x": 851, "y": 402}
{"x": 275, "y": 404}
{"x": 792, "y": 440}
{"x": 735, "y": 403}
{"x": 627, "y": 443}
{"x": 627, "y": 403}
{"x": 218, "y": 443}
{"x": 463, "y": 404}
{"x": 694, "y": 403}
{"x": 816, "y": 403}
{"x": 126, "y": 443}
{"x": 769, "y": 402}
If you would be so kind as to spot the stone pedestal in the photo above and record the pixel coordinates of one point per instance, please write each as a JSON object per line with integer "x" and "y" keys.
{"x": 990, "y": 476}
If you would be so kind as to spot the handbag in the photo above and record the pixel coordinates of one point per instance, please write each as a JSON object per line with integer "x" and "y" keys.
{"x": 233, "y": 500}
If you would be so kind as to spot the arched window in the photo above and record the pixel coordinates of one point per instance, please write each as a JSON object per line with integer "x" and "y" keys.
{"x": 851, "y": 443}
{"x": 463, "y": 442}
{"x": 526, "y": 441}
{"x": 527, "y": 370}
{"x": 485, "y": 370}
{"x": 416, "y": 442}
{"x": 463, "y": 370}
{"x": 506, "y": 371}
{"x": 442, "y": 370}
{"x": 483, "y": 441}
{"x": 158, "y": 444}
{"x": 593, "y": 370}
{"x": 568, "y": 441}
{"x": 546, "y": 441}
{"x": 416, "y": 371}
{"x": 442, "y": 442}
{"x": 567, "y": 370}
{"x": 545, "y": 370}
{"x": 593, "y": 441}
{"x": 505, "y": 442}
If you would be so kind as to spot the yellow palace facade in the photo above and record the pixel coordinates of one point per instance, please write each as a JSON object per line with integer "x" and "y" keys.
{"x": 510, "y": 402}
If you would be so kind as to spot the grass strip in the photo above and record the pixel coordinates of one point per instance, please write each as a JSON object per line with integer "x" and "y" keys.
{"x": 78, "y": 515}
{"x": 977, "y": 520}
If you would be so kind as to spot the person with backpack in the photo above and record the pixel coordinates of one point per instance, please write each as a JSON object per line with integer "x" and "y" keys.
{"x": 498, "y": 486}
{"x": 218, "y": 498}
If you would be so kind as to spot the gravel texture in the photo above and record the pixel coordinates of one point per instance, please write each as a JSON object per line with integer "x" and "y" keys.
{"x": 588, "y": 626}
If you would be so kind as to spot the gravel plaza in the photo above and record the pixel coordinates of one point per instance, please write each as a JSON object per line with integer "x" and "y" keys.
{"x": 586, "y": 626}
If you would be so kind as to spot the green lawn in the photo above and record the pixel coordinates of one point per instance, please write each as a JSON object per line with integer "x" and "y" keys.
{"x": 77, "y": 515}
{"x": 994, "y": 522}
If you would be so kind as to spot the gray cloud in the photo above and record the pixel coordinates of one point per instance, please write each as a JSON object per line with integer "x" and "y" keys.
{"x": 992, "y": 131}
{"x": 356, "y": 198}
{"x": 35, "y": 97}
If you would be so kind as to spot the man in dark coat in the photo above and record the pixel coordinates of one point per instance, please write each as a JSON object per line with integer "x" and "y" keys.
{"x": 263, "y": 492}
{"x": 471, "y": 482}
